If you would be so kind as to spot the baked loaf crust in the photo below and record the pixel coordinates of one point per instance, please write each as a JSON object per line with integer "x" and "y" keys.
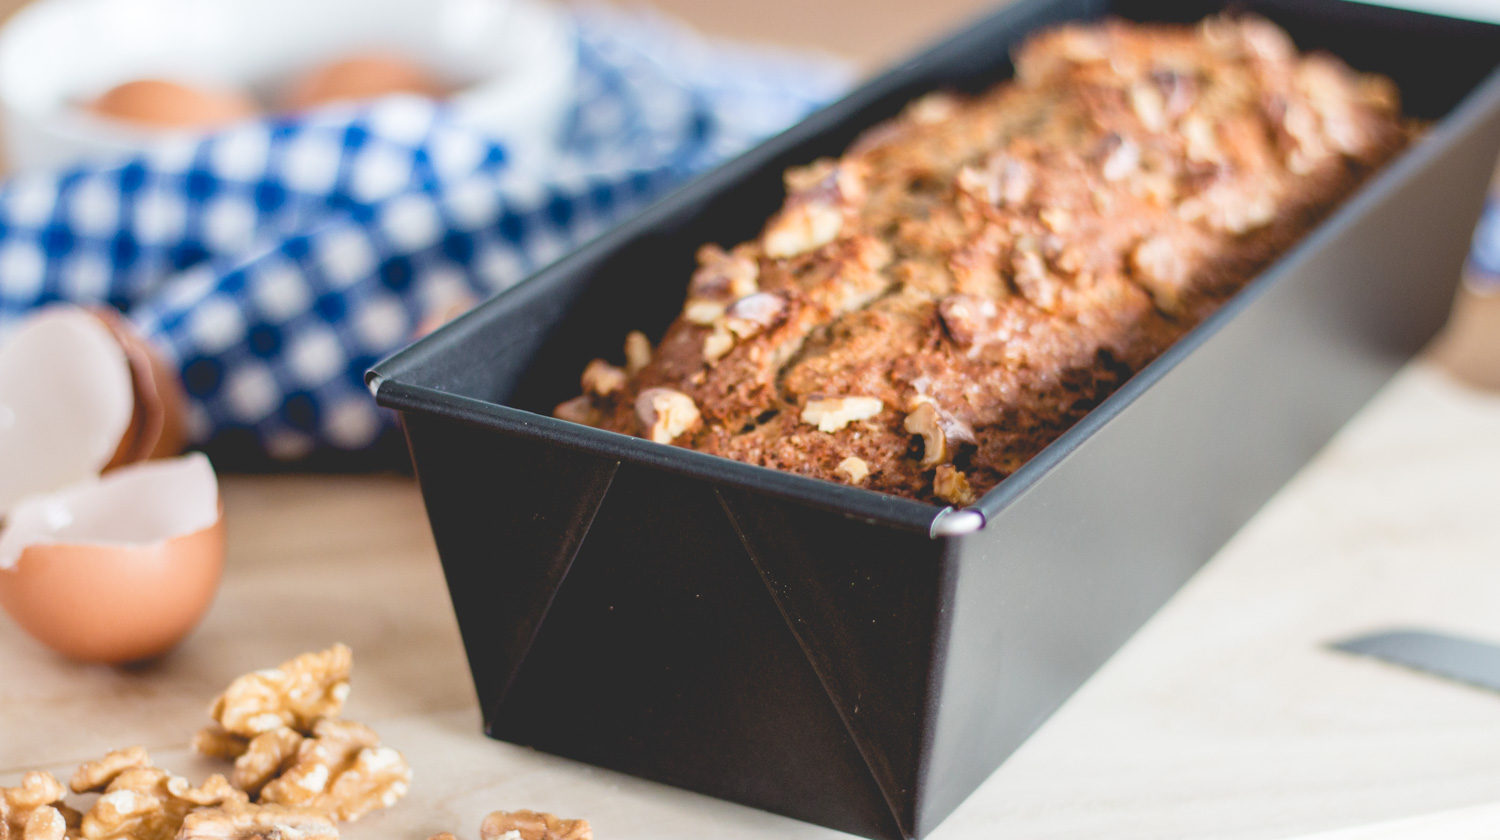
{"x": 927, "y": 312}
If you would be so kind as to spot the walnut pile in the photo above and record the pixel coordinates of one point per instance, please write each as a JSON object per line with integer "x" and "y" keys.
{"x": 281, "y": 727}
{"x": 527, "y": 825}
{"x": 298, "y": 769}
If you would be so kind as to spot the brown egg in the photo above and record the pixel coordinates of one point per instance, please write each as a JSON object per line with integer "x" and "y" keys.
{"x": 361, "y": 77}
{"x": 157, "y": 103}
{"x": 116, "y": 569}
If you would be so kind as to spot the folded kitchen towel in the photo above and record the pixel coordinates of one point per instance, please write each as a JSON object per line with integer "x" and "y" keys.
{"x": 274, "y": 262}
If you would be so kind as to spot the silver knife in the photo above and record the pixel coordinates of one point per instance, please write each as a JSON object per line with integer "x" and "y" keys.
{"x": 1467, "y": 661}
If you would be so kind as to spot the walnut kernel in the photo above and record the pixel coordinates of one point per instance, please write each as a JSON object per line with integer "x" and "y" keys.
{"x": 665, "y": 413}
{"x": 952, "y": 486}
{"x": 268, "y": 755}
{"x": 855, "y": 470}
{"x": 600, "y": 378}
{"x": 834, "y": 413}
{"x": 34, "y": 809}
{"x": 940, "y": 431}
{"x": 295, "y": 694}
{"x": 637, "y": 351}
{"x": 257, "y": 822}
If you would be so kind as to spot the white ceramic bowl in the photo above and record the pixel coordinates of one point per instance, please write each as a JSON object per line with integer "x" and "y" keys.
{"x": 511, "y": 62}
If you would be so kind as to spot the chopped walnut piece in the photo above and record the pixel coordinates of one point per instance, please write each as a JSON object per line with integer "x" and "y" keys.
{"x": 723, "y": 276}
{"x": 1004, "y": 181}
{"x": 34, "y": 809}
{"x": 215, "y": 791}
{"x": 268, "y": 756}
{"x": 1122, "y": 159}
{"x": 967, "y": 319}
{"x": 1159, "y": 265}
{"x": 600, "y": 378}
{"x": 257, "y": 822}
{"x": 217, "y": 742}
{"x": 717, "y": 343}
{"x": 834, "y": 413}
{"x": 96, "y": 775}
{"x": 295, "y": 694}
{"x": 952, "y": 486}
{"x": 531, "y": 825}
{"x": 1056, "y": 219}
{"x": 755, "y": 313}
{"x": 932, "y": 108}
{"x": 1149, "y": 106}
{"x": 637, "y": 351}
{"x": 343, "y": 771}
{"x": 801, "y": 227}
{"x": 940, "y": 431}
{"x": 665, "y": 413}
{"x": 854, "y": 469}
{"x": 814, "y": 212}
{"x": 579, "y": 409}
{"x": 703, "y": 312}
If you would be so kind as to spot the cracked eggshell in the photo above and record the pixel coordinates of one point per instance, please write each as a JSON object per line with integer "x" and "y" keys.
{"x": 158, "y": 422}
{"x": 116, "y": 568}
{"x": 66, "y": 402}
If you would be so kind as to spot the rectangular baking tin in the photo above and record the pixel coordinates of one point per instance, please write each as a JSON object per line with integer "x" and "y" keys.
{"x": 858, "y": 660}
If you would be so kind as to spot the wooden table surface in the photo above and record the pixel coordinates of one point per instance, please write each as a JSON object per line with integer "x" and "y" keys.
{"x": 1225, "y": 717}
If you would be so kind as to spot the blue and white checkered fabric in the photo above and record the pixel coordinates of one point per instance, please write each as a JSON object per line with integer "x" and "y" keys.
{"x": 1483, "y": 269}
{"x": 278, "y": 260}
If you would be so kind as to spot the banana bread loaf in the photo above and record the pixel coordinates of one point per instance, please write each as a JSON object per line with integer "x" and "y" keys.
{"x": 928, "y": 311}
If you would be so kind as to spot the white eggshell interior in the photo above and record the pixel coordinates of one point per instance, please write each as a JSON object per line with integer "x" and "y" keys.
{"x": 142, "y": 504}
{"x": 65, "y": 402}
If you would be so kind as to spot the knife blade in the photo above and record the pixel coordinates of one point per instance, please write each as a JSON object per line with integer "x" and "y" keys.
{"x": 1464, "y": 660}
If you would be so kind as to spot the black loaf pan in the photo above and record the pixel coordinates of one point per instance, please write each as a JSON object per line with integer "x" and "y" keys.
{"x": 863, "y": 661}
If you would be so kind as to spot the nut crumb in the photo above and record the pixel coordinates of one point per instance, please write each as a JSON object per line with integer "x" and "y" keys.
{"x": 600, "y": 378}
{"x": 637, "y": 351}
{"x": 531, "y": 825}
{"x": 834, "y": 413}
{"x": 854, "y": 469}
{"x": 952, "y": 486}
{"x": 703, "y": 312}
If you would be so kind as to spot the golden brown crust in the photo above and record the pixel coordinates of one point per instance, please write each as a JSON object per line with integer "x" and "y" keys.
{"x": 997, "y": 265}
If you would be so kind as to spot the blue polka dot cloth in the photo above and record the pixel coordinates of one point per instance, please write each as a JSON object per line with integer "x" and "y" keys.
{"x": 277, "y": 260}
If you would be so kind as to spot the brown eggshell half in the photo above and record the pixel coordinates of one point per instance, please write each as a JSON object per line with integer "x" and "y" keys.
{"x": 111, "y": 603}
{"x": 116, "y": 568}
{"x": 158, "y": 423}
